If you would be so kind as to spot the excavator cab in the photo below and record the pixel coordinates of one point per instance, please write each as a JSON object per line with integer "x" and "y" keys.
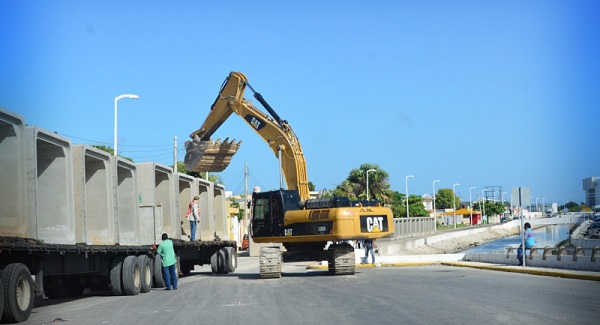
{"x": 268, "y": 211}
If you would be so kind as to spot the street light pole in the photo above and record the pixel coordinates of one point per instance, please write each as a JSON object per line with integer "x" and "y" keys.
{"x": 483, "y": 199}
{"x": 370, "y": 170}
{"x": 434, "y": 210}
{"x": 471, "y": 203}
{"x": 543, "y": 206}
{"x": 132, "y": 96}
{"x": 406, "y": 178}
{"x": 454, "y": 202}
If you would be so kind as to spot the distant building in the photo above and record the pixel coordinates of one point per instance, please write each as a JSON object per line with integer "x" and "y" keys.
{"x": 428, "y": 202}
{"x": 591, "y": 186}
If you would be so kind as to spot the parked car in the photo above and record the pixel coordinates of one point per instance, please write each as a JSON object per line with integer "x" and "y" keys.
{"x": 245, "y": 243}
{"x": 503, "y": 220}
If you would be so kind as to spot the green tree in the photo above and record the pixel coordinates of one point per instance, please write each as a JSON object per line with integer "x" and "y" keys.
{"x": 571, "y": 207}
{"x": 355, "y": 185}
{"x": 445, "y": 197}
{"x": 416, "y": 207}
{"x": 214, "y": 178}
{"x": 110, "y": 150}
{"x": 311, "y": 186}
{"x": 235, "y": 204}
{"x": 396, "y": 202}
{"x": 490, "y": 207}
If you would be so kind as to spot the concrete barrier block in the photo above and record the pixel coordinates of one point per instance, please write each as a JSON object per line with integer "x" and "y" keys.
{"x": 49, "y": 166}
{"x": 156, "y": 186}
{"x": 186, "y": 191}
{"x": 206, "y": 229}
{"x": 14, "y": 218}
{"x": 595, "y": 252}
{"x": 95, "y": 221}
{"x": 220, "y": 212}
{"x": 125, "y": 180}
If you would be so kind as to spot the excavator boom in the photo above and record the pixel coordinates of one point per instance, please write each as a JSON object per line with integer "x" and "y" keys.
{"x": 204, "y": 155}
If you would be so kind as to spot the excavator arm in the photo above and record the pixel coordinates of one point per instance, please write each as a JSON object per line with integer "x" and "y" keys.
{"x": 202, "y": 155}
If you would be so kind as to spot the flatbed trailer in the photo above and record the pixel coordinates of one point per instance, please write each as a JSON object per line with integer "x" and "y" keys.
{"x": 74, "y": 217}
{"x": 61, "y": 271}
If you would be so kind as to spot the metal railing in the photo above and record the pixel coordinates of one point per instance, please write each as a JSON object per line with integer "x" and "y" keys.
{"x": 413, "y": 227}
{"x": 559, "y": 252}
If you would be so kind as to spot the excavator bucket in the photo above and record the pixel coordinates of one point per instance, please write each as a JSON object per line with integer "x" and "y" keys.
{"x": 209, "y": 156}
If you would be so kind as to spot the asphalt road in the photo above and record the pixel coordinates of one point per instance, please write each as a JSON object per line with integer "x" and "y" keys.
{"x": 431, "y": 294}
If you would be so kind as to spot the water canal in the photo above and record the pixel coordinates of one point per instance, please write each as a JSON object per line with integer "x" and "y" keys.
{"x": 546, "y": 236}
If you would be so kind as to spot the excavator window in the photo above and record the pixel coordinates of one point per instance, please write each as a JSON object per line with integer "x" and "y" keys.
{"x": 261, "y": 209}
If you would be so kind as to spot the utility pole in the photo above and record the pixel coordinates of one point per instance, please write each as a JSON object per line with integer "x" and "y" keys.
{"x": 246, "y": 210}
{"x": 175, "y": 155}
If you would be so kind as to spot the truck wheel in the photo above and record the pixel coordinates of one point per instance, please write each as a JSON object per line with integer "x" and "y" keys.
{"x": 146, "y": 272}
{"x": 218, "y": 262}
{"x": 159, "y": 282}
{"x": 214, "y": 266}
{"x": 18, "y": 293}
{"x": 231, "y": 258}
{"x": 186, "y": 268}
{"x": 1, "y": 296}
{"x": 116, "y": 278}
{"x": 132, "y": 281}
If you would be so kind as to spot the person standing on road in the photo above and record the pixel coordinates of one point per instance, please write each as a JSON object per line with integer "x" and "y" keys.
{"x": 168, "y": 259}
{"x": 369, "y": 244}
{"x": 529, "y": 242}
{"x": 193, "y": 216}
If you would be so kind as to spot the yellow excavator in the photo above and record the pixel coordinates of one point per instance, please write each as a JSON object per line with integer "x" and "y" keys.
{"x": 309, "y": 229}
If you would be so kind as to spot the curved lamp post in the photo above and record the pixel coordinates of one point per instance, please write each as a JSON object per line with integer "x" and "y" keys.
{"x": 454, "y": 202}
{"x": 471, "y": 203}
{"x": 132, "y": 96}
{"x": 434, "y": 210}
{"x": 406, "y": 178}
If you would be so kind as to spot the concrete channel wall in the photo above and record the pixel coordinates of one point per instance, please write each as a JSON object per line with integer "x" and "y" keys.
{"x": 95, "y": 222}
{"x": 49, "y": 166}
{"x": 124, "y": 175}
{"x": 13, "y": 174}
{"x": 60, "y": 193}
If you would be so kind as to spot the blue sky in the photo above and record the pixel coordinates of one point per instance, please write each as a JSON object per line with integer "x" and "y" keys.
{"x": 469, "y": 92}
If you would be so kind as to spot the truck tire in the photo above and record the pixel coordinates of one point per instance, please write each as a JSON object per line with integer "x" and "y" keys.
{"x": 1, "y": 296}
{"x": 132, "y": 277}
{"x": 216, "y": 262}
{"x": 231, "y": 258}
{"x": 186, "y": 268}
{"x": 159, "y": 282}
{"x": 116, "y": 277}
{"x": 146, "y": 272}
{"x": 18, "y": 293}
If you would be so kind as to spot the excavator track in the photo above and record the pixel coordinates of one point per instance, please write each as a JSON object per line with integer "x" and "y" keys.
{"x": 270, "y": 262}
{"x": 341, "y": 260}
